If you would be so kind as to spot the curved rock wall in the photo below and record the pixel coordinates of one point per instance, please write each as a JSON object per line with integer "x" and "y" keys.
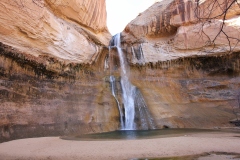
{"x": 51, "y": 69}
{"x": 181, "y": 28}
{"x": 42, "y": 28}
{"x": 188, "y": 92}
{"x": 53, "y": 79}
{"x": 92, "y": 14}
{"x": 186, "y": 66}
{"x": 36, "y": 100}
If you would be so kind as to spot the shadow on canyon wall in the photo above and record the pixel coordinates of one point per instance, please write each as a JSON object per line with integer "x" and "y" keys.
{"x": 46, "y": 97}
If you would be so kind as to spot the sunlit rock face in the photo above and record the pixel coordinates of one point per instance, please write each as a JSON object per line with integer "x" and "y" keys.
{"x": 73, "y": 31}
{"x": 91, "y": 14}
{"x": 186, "y": 80}
{"x": 178, "y": 28}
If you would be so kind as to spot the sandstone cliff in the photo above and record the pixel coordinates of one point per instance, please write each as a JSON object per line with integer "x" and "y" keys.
{"x": 54, "y": 76}
{"x": 182, "y": 28}
{"x": 187, "y": 92}
{"x": 73, "y": 31}
{"x": 184, "y": 58}
{"x": 51, "y": 75}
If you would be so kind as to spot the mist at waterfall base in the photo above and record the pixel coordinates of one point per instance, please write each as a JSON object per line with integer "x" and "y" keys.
{"x": 133, "y": 106}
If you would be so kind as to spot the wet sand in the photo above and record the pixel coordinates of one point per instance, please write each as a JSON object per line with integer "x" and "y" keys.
{"x": 49, "y": 148}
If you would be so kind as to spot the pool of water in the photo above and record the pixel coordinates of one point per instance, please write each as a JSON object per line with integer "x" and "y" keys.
{"x": 136, "y": 134}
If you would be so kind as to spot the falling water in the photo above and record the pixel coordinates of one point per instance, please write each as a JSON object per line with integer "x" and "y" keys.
{"x": 137, "y": 56}
{"x": 141, "y": 55}
{"x": 113, "y": 84}
{"x": 106, "y": 63}
{"x": 132, "y": 99}
{"x": 133, "y": 53}
{"x": 146, "y": 120}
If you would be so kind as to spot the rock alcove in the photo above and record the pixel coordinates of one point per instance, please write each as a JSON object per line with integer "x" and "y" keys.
{"x": 52, "y": 59}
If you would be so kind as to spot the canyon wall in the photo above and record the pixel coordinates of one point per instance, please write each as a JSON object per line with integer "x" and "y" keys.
{"x": 54, "y": 75}
{"x": 51, "y": 69}
{"x": 184, "y": 58}
{"x": 188, "y": 92}
{"x": 181, "y": 28}
{"x": 73, "y": 31}
{"x": 193, "y": 92}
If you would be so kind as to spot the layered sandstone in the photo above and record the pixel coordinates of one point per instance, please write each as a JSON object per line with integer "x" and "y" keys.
{"x": 73, "y": 31}
{"x": 51, "y": 72}
{"x": 181, "y": 28}
{"x": 188, "y": 92}
{"x": 39, "y": 101}
{"x": 179, "y": 56}
{"x": 91, "y": 14}
{"x": 54, "y": 75}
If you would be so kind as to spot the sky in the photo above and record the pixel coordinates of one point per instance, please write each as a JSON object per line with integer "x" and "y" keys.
{"x": 121, "y": 12}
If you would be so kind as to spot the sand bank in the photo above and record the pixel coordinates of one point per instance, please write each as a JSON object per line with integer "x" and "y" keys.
{"x": 55, "y": 148}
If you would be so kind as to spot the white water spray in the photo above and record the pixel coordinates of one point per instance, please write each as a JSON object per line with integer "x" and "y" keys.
{"x": 131, "y": 97}
{"x": 113, "y": 84}
{"x": 127, "y": 88}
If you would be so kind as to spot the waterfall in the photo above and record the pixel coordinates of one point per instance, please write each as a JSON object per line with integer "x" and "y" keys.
{"x": 138, "y": 57}
{"x": 136, "y": 114}
{"x": 142, "y": 61}
{"x": 128, "y": 90}
{"x": 133, "y": 53}
{"x": 113, "y": 84}
{"x": 106, "y": 63}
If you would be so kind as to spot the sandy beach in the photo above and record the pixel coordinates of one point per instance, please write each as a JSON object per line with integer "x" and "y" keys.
{"x": 51, "y": 148}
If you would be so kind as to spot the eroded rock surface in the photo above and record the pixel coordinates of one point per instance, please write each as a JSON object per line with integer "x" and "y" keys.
{"x": 38, "y": 101}
{"x": 180, "y": 59}
{"x": 181, "y": 28}
{"x": 189, "y": 92}
{"x": 55, "y": 67}
{"x": 51, "y": 72}
{"x": 73, "y": 31}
